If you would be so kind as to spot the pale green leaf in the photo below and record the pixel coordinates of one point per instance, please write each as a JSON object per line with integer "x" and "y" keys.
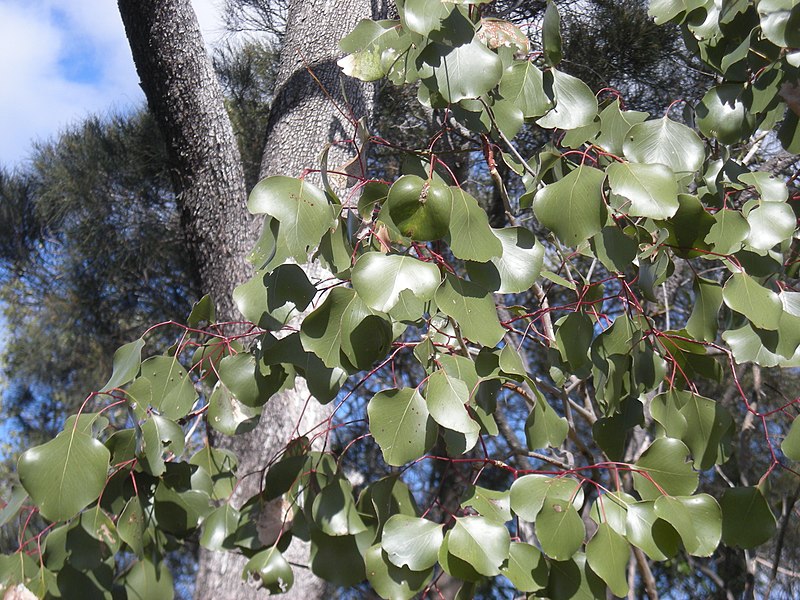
{"x": 472, "y": 307}
{"x": 390, "y": 581}
{"x": 573, "y": 207}
{"x": 650, "y": 188}
{"x": 401, "y": 425}
{"x": 411, "y": 542}
{"x": 744, "y": 295}
{"x": 481, "y": 543}
{"x": 663, "y": 468}
{"x": 301, "y": 210}
{"x": 608, "y": 554}
{"x": 65, "y": 474}
{"x": 575, "y": 104}
{"x": 379, "y": 278}
{"x": 127, "y": 360}
{"x": 471, "y": 238}
{"x": 516, "y": 269}
{"x": 665, "y": 142}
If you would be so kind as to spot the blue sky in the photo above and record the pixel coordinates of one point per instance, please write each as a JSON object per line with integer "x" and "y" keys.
{"x": 62, "y": 60}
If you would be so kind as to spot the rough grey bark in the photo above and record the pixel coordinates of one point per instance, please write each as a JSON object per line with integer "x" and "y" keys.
{"x": 304, "y": 117}
{"x": 182, "y": 92}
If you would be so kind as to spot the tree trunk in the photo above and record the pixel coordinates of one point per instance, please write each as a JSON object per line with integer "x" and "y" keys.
{"x": 307, "y": 113}
{"x": 183, "y": 94}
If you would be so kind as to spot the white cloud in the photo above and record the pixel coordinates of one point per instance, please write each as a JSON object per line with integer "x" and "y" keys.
{"x": 62, "y": 61}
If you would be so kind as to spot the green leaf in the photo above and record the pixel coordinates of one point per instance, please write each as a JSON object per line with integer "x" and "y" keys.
{"x": 708, "y": 424}
{"x": 490, "y": 504}
{"x": 608, "y": 554}
{"x": 723, "y": 114}
{"x": 529, "y": 491}
{"x": 559, "y": 528}
{"x": 158, "y": 434}
{"x": 574, "y": 334}
{"x": 423, "y": 17}
{"x": 390, "y": 581}
{"x": 575, "y": 104}
{"x": 445, "y": 397}
{"x": 171, "y": 389}
{"x": 768, "y": 186}
{"x": 651, "y": 189}
{"x": 666, "y": 10}
{"x": 729, "y": 232}
{"x": 697, "y": 519}
{"x": 544, "y": 427}
{"x": 746, "y": 505}
{"x": 523, "y": 87}
{"x": 664, "y": 462}
{"x": 271, "y": 299}
{"x": 526, "y": 568}
{"x": 219, "y": 528}
{"x": 574, "y": 580}
{"x": 614, "y": 125}
{"x": 790, "y": 445}
{"x": 65, "y": 474}
{"x": 131, "y": 524}
{"x": 220, "y": 465}
{"x": 471, "y": 238}
{"x": 761, "y": 306}
{"x": 14, "y": 502}
{"x": 379, "y": 279}
{"x": 271, "y": 570}
{"x": 337, "y": 559}
{"x": 146, "y": 581}
{"x": 365, "y": 46}
{"x": 472, "y": 308}
{"x": 649, "y": 533}
{"x": 467, "y": 71}
{"x": 780, "y": 22}
{"x": 411, "y": 542}
{"x": 301, "y": 210}
{"x": 573, "y": 207}
{"x": 551, "y": 35}
{"x": 666, "y": 142}
{"x": 516, "y": 269}
{"x": 401, "y": 425}
{"x": 229, "y": 416}
{"x": 612, "y": 508}
{"x": 344, "y": 325}
{"x": 770, "y": 223}
{"x": 481, "y": 543}
{"x": 334, "y": 510}
{"x": 202, "y": 311}
{"x": 127, "y": 360}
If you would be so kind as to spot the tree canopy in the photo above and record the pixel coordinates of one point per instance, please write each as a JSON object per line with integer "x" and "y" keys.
{"x": 570, "y": 400}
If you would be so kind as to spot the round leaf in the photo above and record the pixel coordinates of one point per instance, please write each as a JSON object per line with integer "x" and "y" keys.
{"x": 379, "y": 278}
{"x": 608, "y": 554}
{"x": 401, "y": 425}
{"x": 390, "y": 581}
{"x": 411, "y": 542}
{"x": 747, "y": 520}
{"x": 559, "y": 528}
{"x": 666, "y": 142}
{"x": 664, "y": 462}
{"x": 651, "y": 189}
{"x": 481, "y": 543}
{"x": 64, "y": 475}
{"x": 573, "y": 207}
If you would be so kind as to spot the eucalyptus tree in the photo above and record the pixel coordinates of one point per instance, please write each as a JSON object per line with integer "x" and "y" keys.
{"x": 554, "y": 373}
